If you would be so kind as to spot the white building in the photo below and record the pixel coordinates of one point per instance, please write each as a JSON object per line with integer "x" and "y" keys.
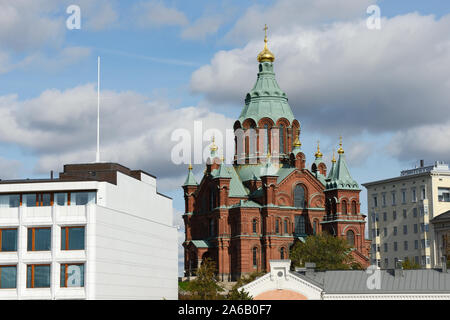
{"x": 400, "y": 210}
{"x": 99, "y": 231}
{"x": 308, "y": 284}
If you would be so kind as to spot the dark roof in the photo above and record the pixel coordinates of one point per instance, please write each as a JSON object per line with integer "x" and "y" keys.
{"x": 441, "y": 217}
{"x": 355, "y": 281}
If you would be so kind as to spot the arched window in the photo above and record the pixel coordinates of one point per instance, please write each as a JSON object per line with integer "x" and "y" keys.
{"x": 255, "y": 256}
{"x": 315, "y": 227}
{"x": 282, "y": 253}
{"x": 353, "y": 207}
{"x": 344, "y": 207}
{"x": 212, "y": 198}
{"x": 281, "y": 138}
{"x": 266, "y": 138}
{"x": 351, "y": 238}
{"x": 333, "y": 206}
{"x": 277, "y": 226}
{"x": 299, "y": 196}
{"x": 211, "y": 227}
{"x": 285, "y": 226}
{"x": 255, "y": 226}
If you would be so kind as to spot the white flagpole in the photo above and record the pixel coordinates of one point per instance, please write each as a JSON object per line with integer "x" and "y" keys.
{"x": 98, "y": 111}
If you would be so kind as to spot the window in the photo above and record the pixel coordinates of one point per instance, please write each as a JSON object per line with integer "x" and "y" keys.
{"x": 61, "y": 198}
{"x": 211, "y": 228}
{"x": 83, "y": 198}
{"x": 344, "y": 207}
{"x": 405, "y": 245}
{"x": 255, "y": 257}
{"x": 315, "y": 227}
{"x": 384, "y": 200}
{"x": 422, "y": 242}
{"x": 416, "y": 259}
{"x": 266, "y": 138}
{"x": 374, "y": 233}
{"x": 395, "y": 231}
{"x": 416, "y": 244}
{"x": 414, "y": 196}
{"x": 282, "y": 253}
{"x": 395, "y": 246}
{"x": 45, "y": 199}
{"x": 393, "y": 198}
{"x": 255, "y": 225}
{"x": 277, "y": 226}
{"x": 444, "y": 194}
{"x": 426, "y": 227}
{"x": 285, "y": 226}
{"x": 404, "y": 213}
{"x": 39, "y": 239}
{"x": 423, "y": 194}
{"x": 9, "y": 201}
{"x": 378, "y": 232}
{"x": 375, "y": 201}
{"x": 385, "y": 247}
{"x": 38, "y": 276}
{"x": 281, "y": 138}
{"x": 72, "y": 275}
{"x": 299, "y": 196}
{"x": 8, "y": 277}
{"x": 385, "y": 232}
{"x": 30, "y": 200}
{"x": 416, "y": 229}
{"x": 72, "y": 238}
{"x": 403, "y": 196}
{"x": 386, "y": 262}
{"x": 351, "y": 238}
{"x": 299, "y": 225}
{"x": 415, "y": 212}
{"x": 405, "y": 229}
{"x": 384, "y": 216}
{"x": 394, "y": 215}
{"x": 422, "y": 227}
{"x": 354, "y": 210}
{"x": 8, "y": 240}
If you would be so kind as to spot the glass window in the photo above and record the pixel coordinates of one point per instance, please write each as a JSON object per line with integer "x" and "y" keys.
{"x": 277, "y": 226}
{"x": 394, "y": 215}
{"x": 285, "y": 226}
{"x": 416, "y": 244}
{"x": 281, "y": 138}
{"x": 375, "y": 202}
{"x": 403, "y": 196}
{"x": 299, "y": 225}
{"x": 405, "y": 229}
{"x": 415, "y": 212}
{"x": 255, "y": 225}
{"x": 72, "y": 238}
{"x": 351, "y": 238}
{"x": 395, "y": 246}
{"x": 8, "y": 277}
{"x": 61, "y": 199}
{"x": 282, "y": 253}
{"x": 385, "y": 247}
{"x": 299, "y": 196}
{"x": 414, "y": 198}
{"x": 9, "y": 201}
{"x": 405, "y": 245}
{"x": 416, "y": 229}
{"x": 39, "y": 239}
{"x": 395, "y": 231}
{"x": 404, "y": 213}
{"x": 30, "y": 200}
{"x": 46, "y": 199}
{"x": 254, "y": 253}
{"x": 8, "y": 238}
{"x": 82, "y": 198}
{"x": 384, "y": 200}
{"x": 393, "y": 198}
{"x": 444, "y": 194}
{"x": 72, "y": 275}
{"x": 385, "y": 232}
{"x": 38, "y": 276}
{"x": 384, "y": 216}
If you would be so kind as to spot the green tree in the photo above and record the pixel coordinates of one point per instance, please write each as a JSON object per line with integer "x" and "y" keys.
{"x": 408, "y": 265}
{"x": 205, "y": 286}
{"x": 236, "y": 294}
{"x": 326, "y": 251}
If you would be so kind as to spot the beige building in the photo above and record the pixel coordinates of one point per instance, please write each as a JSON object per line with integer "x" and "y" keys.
{"x": 400, "y": 210}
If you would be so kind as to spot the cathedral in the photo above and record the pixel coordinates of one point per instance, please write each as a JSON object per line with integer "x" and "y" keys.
{"x": 246, "y": 214}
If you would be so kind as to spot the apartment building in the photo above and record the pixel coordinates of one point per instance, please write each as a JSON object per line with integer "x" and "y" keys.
{"x": 400, "y": 210}
{"x": 98, "y": 231}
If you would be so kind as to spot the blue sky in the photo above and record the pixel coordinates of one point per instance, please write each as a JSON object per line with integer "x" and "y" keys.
{"x": 168, "y": 63}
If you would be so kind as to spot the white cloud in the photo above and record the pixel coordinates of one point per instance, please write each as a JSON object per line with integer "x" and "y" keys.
{"x": 60, "y": 127}
{"x": 9, "y": 168}
{"x": 344, "y": 78}
{"x": 156, "y": 14}
{"x": 203, "y": 27}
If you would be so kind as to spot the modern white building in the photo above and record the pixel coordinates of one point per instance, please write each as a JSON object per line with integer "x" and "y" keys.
{"x": 99, "y": 231}
{"x": 400, "y": 210}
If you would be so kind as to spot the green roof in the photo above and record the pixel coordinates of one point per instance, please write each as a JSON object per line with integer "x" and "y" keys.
{"x": 201, "y": 243}
{"x": 237, "y": 189}
{"x": 190, "y": 180}
{"x": 266, "y": 99}
{"x": 339, "y": 176}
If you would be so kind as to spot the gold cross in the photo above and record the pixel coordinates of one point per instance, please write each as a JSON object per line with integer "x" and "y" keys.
{"x": 265, "y": 29}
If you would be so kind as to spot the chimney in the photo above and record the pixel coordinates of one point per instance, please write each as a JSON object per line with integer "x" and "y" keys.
{"x": 51, "y": 174}
{"x": 421, "y": 163}
{"x": 398, "y": 271}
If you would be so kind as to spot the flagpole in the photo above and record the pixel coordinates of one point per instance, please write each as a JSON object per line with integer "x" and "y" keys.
{"x": 98, "y": 111}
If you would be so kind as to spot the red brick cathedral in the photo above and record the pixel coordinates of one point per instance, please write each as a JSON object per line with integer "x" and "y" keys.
{"x": 244, "y": 215}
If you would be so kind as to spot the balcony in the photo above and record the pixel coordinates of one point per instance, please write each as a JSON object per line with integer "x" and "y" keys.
{"x": 9, "y": 216}
{"x": 351, "y": 217}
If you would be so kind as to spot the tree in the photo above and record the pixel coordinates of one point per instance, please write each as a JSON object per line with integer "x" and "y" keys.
{"x": 326, "y": 251}
{"x": 236, "y": 294}
{"x": 205, "y": 286}
{"x": 407, "y": 265}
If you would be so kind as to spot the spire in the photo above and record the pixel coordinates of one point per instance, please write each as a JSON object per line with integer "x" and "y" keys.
{"x": 334, "y": 158}
{"x": 190, "y": 179}
{"x": 318, "y": 153}
{"x": 213, "y": 147}
{"x": 265, "y": 54}
{"x": 297, "y": 144}
{"x": 223, "y": 172}
{"x": 340, "y": 150}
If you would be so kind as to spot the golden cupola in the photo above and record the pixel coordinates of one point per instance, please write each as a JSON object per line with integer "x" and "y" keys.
{"x": 265, "y": 55}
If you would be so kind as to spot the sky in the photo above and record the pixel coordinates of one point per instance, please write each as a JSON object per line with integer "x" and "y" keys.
{"x": 166, "y": 64}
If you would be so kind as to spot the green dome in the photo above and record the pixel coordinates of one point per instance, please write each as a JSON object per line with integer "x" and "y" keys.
{"x": 266, "y": 99}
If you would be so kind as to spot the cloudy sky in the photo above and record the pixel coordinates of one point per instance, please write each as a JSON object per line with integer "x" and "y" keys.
{"x": 168, "y": 63}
